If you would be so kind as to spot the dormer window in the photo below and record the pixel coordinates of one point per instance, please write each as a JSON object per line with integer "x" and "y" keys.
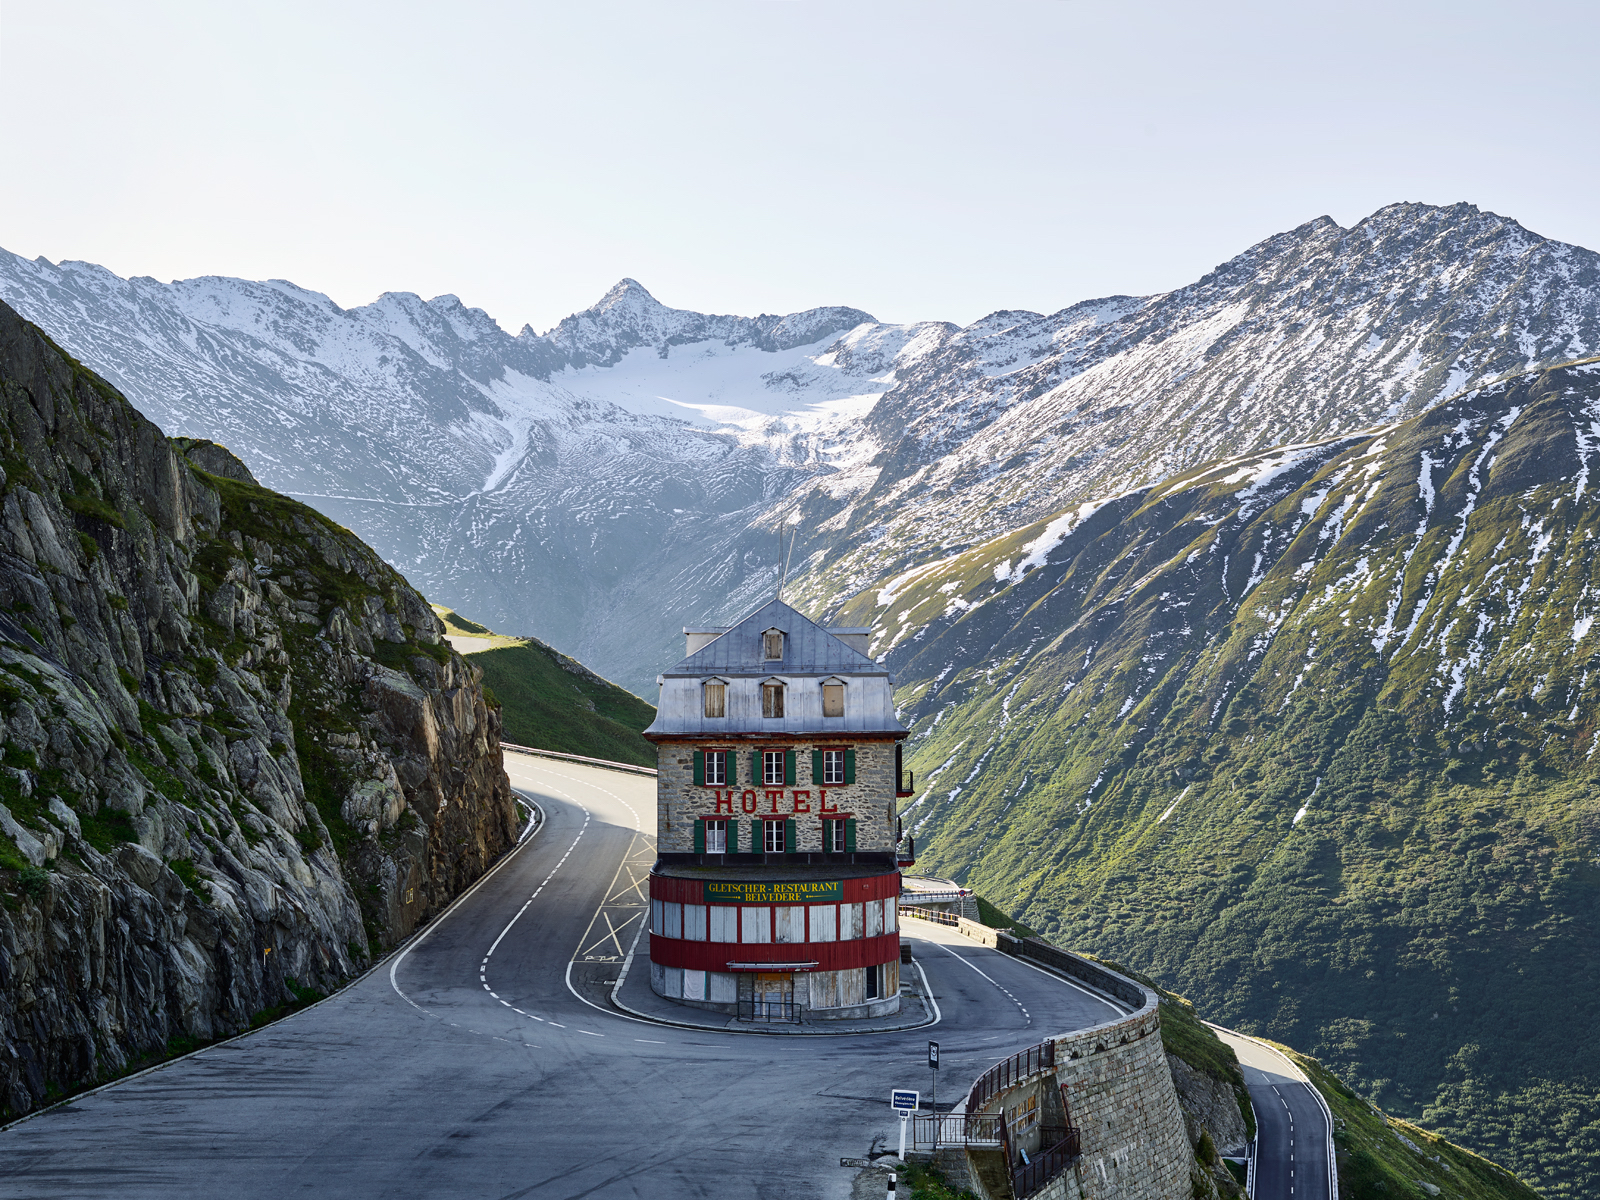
{"x": 772, "y": 645}
{"x": 715, "y": 692}
{"x": 772, "y": 698}
{"x": 833, "y": 697}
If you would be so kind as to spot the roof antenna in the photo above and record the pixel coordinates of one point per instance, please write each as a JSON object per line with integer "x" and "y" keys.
{"x": 784, "y": 573}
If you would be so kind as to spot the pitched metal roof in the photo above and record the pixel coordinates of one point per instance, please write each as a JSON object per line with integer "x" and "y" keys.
{"x": 808, "y": 649}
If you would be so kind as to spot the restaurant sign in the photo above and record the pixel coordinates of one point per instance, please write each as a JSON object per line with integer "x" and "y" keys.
{"x": 771, "y": 892}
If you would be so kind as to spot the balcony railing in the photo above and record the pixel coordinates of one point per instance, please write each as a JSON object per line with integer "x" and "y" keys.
{"x": 1010, "y": 1071}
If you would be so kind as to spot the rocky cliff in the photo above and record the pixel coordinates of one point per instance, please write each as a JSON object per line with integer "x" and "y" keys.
{"x": 238, "y": 758}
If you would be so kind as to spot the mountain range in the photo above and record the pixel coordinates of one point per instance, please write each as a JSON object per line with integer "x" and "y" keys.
{"x": 1244, "y": 630}
{"x": 601, "y": 484}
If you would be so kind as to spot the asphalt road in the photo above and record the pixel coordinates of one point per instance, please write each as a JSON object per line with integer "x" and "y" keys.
{"x": 468, "y": 1066}
{"x": 1291, "y": 1126}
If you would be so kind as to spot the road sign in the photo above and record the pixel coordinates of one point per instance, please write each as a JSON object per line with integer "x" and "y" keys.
{"x": 903, "y": 1101}
{"x": 933, "y": 1056}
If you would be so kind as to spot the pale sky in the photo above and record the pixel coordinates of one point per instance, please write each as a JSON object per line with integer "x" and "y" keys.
{"x": 919, "y": 160}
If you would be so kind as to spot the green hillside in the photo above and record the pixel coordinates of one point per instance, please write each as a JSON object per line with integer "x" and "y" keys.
{"x": 553, "y": 702}
{"x": 1311, "y": 735}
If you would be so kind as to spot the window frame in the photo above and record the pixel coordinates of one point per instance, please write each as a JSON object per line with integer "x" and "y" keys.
{"x": 716, "y": 826}
{"x": 773, "y": 707}
{"x": 767, "y": 636}
{"x": 768, "y": 827}
{"x": 828, "y": 779}
{"x": 706, "y": 691}
{"x": 721, "y": 757}
{"x": 840, "y": 685}
{"x": 833, "y": 829}
{"x": 768, "y": 757}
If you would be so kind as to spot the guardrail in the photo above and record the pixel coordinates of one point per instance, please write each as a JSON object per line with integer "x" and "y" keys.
{"x": 1057, "y": 959}
{"x": 930, "y": 914}
{"x": 1009, "y": 1072}
{"x": 593, "y": 762}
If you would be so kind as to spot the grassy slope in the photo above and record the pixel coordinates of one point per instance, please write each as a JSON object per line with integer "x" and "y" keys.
{"x": 1430, "y": 927}
{"x": 552, "y": 702}
{"x": 1374, "y": 1162}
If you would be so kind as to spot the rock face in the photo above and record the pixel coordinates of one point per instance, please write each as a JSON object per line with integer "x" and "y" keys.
{"x": 238, "y": 759}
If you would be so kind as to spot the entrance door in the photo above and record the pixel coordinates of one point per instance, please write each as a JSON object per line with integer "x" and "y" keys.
{"x": 774, "y": 995}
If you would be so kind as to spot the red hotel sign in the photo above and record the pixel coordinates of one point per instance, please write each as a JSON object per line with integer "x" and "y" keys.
{"x": 792, "y": 801}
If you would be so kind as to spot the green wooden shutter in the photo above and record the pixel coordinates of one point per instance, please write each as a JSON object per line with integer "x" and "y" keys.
{"x": 849, "y": 766}
{"x": 788, "y": 767}
{"x": 755, "y": 769}
{"x": 849, "y": 835}
{"x": 733, "y": 836}
{"x": 699, "y": 768}
{"x": 758, "y": 844}
{"x": 789, "y": 845}
{"x": 699, "y": 836}
{"x": 816, "y": 768}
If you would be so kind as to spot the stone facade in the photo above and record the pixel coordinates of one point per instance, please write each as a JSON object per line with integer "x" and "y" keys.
{"x": 679, "y": 800}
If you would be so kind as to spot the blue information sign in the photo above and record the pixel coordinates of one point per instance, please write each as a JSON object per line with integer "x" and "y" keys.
{"x": 903, "y": 1101}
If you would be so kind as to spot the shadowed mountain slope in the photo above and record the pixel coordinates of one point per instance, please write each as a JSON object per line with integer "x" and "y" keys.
{"x": 1312, "y": 735}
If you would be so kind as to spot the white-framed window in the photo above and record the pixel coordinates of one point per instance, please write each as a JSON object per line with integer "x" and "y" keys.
{"x": 716, "y": 698}
{"x": 772, "y": 836}
{"x": 716, "y": 768}
{"x": 716, "y": 837}
{"x": 772, "y": 767}
{"x": 833, "y": 836}
{"x": 772, "y": 645}
{"x": 832, "y": 767}
{"x": 833, "y": 699}
{"x": 772, "y": 699}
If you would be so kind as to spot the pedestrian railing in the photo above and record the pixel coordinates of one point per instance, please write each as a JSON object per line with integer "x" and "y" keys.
{"x": 980, "y": 1130}
{"x": 1036, "y": 1171}
{"x": 769, "y": 1010}
{"x": 1009, "y": 1072}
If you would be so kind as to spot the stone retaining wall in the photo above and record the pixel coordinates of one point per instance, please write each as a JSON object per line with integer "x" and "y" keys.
{"x": 1118, "y": 1091}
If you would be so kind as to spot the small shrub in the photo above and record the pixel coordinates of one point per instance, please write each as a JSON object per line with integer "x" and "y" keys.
{"x": 33, "y": 881}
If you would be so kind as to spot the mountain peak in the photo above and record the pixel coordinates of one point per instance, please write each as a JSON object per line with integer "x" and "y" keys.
{"x": 629, "y": 294}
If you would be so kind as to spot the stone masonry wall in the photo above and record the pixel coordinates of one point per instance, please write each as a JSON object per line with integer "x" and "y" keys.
{"x": 1119, "y": 1092}
{"x": 679, "y": 801}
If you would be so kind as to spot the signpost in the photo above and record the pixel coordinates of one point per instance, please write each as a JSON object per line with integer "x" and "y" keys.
{"x": 933, "y": 1067}
{"x": 905, "y": 1103}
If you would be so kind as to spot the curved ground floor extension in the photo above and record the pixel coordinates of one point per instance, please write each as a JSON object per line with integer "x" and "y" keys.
{"x": 477, "y": 1065}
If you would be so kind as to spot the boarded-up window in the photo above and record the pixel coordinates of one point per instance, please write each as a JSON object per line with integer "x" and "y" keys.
{"x": 716, "y": 699}
{"x": 772, "y": 644}
{"x": 874, "y": 917}
{"x": 824, "y": 922}
{"x": 791, "y": 921}
{"x": 891, "y": 914}
{"x": 755, "y": 924}
{"x": 772, "y": 699}
{"x": 833, "y": 699}
{"x": 724, "y": 923}
{"x": 694, "y": 922}
{"x": 849, "y": 921}
{"x": 671, "y": 919}
{"x": 694, "y": 985}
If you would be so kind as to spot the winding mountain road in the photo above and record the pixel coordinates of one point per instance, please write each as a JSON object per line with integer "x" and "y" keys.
{"x": 1292, "y": 1134}
{"x": 469, "y": 1065}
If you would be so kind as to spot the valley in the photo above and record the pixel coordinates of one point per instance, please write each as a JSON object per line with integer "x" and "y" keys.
{"x": 1244, "y": 630}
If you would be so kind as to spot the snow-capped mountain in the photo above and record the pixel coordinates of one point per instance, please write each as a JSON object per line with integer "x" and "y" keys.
{"x": 598, "y": 484}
